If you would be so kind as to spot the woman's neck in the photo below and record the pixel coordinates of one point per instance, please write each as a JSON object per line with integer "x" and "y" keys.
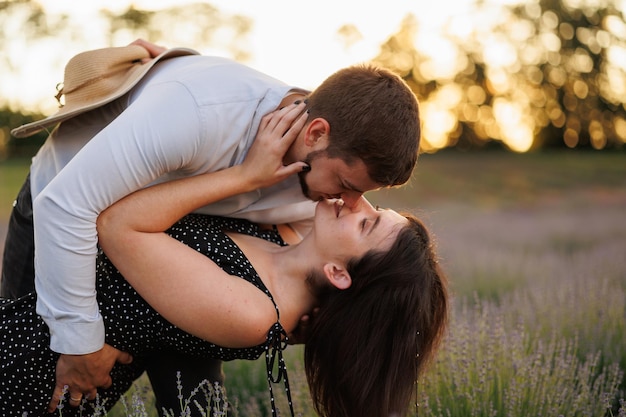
{"x": 283, "y": 270}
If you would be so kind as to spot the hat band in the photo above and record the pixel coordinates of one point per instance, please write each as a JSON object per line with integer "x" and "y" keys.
{"x": 61, "y": 86}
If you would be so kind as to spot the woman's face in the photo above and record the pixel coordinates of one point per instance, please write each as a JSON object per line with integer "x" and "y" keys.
{"x": 344, "y": 232}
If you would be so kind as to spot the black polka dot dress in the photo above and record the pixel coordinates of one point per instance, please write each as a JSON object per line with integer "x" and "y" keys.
{"x": 28, "y": 365}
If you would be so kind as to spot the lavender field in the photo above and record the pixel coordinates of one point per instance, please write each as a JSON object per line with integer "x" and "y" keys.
{"x": 536, "y": 253}
{"x": 535, "y": 250}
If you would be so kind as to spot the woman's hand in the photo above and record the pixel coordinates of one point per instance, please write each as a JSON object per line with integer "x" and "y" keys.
{"x": 278, "y": 130}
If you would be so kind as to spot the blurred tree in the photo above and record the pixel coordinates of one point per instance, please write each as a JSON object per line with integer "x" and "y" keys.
{"x": 198, "y": 24}
{"x": 543, "y": 73}
{"x": 19, "y": 148}
{"x": 578, "y": 86}
{"x": 26, "y": 20}
{"x": 28, "y": 27}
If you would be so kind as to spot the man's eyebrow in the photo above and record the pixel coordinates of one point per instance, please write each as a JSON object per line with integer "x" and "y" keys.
{"x": 376, "y": 223}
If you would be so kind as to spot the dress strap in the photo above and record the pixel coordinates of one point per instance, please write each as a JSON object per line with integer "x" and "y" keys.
{"x": 277, "y": 342}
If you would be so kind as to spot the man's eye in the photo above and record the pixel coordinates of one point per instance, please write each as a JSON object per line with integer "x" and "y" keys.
{"x": 363, "y": 223}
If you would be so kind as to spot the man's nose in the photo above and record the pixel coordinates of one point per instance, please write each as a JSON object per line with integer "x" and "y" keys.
{"x": 351, "y": 200}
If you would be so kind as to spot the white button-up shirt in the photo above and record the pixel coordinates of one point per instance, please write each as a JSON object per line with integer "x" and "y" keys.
{"x": 188, "y": 116}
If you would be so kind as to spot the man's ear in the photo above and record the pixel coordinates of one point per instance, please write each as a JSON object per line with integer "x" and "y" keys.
{"x": 337, "y": 276}
{"x": 317, "y": 133}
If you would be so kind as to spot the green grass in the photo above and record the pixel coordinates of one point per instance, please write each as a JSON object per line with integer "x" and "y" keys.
{"x": 534, "y": 248}
{"x": 12, "y": 175}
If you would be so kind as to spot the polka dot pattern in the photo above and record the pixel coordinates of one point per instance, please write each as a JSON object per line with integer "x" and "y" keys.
{"x": 28, "y": 365}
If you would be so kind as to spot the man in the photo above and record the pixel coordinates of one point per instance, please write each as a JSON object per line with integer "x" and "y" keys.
{"x": 129, "y": 121}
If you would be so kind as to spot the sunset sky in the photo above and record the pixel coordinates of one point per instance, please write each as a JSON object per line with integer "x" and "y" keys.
{"x": 291, "y": 40}
{"x": 299, "y": 43}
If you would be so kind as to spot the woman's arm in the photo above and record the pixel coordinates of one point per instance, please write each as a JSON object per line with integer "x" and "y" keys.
{"x": 156, "y": 208}
{"x": 183, "y": 285}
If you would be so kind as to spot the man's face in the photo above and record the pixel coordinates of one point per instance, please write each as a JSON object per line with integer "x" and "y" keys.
{"x": 334, "y": 178}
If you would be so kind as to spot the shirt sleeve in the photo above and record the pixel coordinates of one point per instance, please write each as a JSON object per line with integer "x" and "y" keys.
{"x": 153, "y": 136}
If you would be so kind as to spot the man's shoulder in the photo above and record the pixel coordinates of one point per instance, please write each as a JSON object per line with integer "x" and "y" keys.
{"x": 206, "y": 68}
{"x": 214, "y": 80}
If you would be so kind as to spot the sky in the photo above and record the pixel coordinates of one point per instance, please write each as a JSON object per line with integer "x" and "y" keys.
{"x": 291, "y": 40}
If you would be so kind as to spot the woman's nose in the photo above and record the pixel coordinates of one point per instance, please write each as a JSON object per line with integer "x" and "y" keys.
{"x": 360, "y": 204}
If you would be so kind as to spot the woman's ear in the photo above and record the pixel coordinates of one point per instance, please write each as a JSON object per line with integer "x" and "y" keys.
{"x": 337, "y": 276}
{"x": 317, "y": 133}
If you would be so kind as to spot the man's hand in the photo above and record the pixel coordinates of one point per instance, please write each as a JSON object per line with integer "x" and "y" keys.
{"x": 153, "y": 49}
{"x": 83, "y": 374}
{"x": 278, "y": 130}
{"x": 300, "y": 334}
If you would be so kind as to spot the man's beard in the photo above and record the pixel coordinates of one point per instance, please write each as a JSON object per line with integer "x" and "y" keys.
{"x": 303, "y": 185}
{"x": 302, "y": 174}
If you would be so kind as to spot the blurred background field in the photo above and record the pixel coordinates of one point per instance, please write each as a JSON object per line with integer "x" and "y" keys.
{"x": 522, "y": 180}
{"x": 535, "y": 248}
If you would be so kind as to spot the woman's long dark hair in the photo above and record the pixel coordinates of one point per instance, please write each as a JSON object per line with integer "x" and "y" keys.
{"x": 369, "y": 343}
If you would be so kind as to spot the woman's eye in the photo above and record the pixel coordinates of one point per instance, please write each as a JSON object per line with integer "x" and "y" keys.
{"x": 377, "y": 207}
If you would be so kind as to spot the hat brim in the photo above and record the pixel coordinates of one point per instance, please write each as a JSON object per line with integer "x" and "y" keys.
{"x": 30, "y": 129}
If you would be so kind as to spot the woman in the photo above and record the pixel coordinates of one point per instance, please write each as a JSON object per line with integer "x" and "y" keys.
{"x": 372, "y": 273}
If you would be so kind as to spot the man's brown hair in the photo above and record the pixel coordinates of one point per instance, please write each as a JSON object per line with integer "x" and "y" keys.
{"x": 374, "y": 116}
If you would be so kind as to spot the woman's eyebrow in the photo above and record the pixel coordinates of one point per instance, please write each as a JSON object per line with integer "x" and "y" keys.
{"x": 376, "y": 223}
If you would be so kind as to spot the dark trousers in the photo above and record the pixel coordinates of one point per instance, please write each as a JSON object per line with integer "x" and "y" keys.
{"x": 18, "y": 259}
{"x": 18, "y": 279}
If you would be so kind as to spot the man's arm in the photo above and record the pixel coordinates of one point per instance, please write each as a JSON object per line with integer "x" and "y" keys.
{"x": 129, "y": 153}
{"x": 135, "y": 149}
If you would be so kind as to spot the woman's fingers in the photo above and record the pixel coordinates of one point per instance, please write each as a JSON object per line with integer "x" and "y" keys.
{"x": 280, "y": 121}
{"x": 264, "y": 163}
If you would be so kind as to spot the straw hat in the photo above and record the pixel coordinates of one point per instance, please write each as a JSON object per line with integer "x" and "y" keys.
{"x": 97, "y": 77}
